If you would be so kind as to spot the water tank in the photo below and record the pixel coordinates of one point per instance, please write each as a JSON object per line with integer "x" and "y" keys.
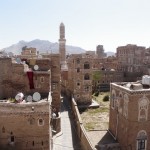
{"x": 146, "y": 80}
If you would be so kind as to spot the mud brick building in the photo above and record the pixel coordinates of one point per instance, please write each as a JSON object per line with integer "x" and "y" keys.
{"x": 130, "y": 115}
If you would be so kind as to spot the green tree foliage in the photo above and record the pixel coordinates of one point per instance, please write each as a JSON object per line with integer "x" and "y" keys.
{"x": 96, "y": 75}
{"x": 106, "y": 98}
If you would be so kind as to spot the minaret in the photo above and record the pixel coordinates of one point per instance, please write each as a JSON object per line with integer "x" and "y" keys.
{"x": 62, "y": 44}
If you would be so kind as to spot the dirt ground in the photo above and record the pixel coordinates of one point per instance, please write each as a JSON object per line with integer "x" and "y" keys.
{"x": 97, "y": 118}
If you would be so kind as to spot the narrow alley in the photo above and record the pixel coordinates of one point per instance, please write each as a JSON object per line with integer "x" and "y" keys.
{"x": 68, "y": 139}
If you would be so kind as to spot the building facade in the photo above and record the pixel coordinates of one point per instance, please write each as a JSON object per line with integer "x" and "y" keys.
{"x": 130, "y": 115}
{"x": 25, "y": 126}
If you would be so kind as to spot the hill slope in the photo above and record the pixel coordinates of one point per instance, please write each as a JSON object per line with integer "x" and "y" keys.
{"x": 42, "y": 46}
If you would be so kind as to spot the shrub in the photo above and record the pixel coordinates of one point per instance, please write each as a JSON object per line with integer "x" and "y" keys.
{"x": 106, "y": 98}
{"x": 96, "y": 94}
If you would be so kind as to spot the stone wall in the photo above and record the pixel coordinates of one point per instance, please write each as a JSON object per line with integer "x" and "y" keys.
{"x": 85, "y": 142}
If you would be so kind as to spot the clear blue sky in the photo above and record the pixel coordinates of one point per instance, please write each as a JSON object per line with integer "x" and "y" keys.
{"x": 111, "y": 23}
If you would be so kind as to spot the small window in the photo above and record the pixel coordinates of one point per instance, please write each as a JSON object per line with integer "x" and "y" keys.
{"x": 32, "y": 143}
{"x": 12, "y": 138}
{"x": 40, "y": 122}
{"x": 86, "y": 88}
{"x": 86, "y": 77}
{"x": 54, "y": 86}
{"x": 78, "y": 69}
{"x": 86, "y": 65}
{"x": 42, "y": 79}
{"x": 78, "y": 84}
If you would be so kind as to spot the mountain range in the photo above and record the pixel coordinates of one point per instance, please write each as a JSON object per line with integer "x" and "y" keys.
{"x": 44, "y": 46}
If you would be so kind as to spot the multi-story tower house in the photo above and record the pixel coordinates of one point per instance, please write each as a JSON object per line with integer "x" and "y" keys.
{"x": 80, "y": 77}
{"x": 25, "y": 126}
{"x": 62, "y": 44}
{"x": 131, "y": 61}
{"x": 100, "y": 51}
{"x": 130, "y": 114}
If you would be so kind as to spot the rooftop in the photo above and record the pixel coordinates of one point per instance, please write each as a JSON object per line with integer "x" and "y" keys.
{"x": 133, "y": 86}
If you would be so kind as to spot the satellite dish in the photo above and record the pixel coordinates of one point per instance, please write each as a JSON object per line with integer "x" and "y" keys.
{"x": 29, "y": 98}
{"x": 19, "y": 96}
{"x": 36, "y": 96}
{"x": 18, "y": 60}
{"x": 36, "y": 67}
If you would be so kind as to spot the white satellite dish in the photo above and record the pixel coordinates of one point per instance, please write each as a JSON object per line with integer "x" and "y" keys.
{"x": 29, "y": 98}
{"x": 36, "y": 96}
{"x": 36, "y": 67}
{"x": 19, "y": 96}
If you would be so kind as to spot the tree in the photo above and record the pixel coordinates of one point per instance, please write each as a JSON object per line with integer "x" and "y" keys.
{"x": 96, "y": 77}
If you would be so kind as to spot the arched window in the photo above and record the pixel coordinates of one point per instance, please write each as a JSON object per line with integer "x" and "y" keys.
{"x": 143, "y": 108}
{"x": 125, "y": 106}
{"x": 32, "y": 143}
{"x": 141, "y": 140}
{"x": 113, "y": 97}
{"x": 86, "y": 65}
{"x": 12, "y": 138}
{"x": 86, "y": 76}
{"x": 78, "y": 69}
{"x": 41, "y": 122}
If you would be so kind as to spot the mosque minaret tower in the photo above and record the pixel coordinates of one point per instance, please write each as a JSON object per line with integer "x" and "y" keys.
{"x": 62, "y": 44}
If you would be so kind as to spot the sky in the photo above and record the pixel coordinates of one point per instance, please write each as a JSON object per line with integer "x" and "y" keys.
{"x": 88, "y": 23}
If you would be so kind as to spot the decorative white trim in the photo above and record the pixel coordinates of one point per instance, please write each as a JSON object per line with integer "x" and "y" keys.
{"x": 143, "y": 104}
{"x": 125, "y": 107}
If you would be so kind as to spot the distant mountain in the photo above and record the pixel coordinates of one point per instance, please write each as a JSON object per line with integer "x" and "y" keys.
{"x": 42, "y": 46}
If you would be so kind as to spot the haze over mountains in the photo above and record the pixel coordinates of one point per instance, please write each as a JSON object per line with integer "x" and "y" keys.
{"x": 45, "y": 46}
